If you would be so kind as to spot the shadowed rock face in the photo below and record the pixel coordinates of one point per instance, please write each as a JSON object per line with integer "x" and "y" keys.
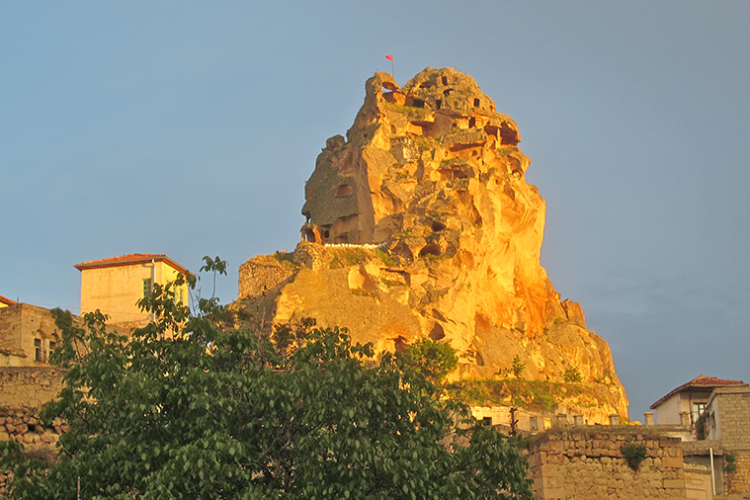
{"x": 432, "y": 175}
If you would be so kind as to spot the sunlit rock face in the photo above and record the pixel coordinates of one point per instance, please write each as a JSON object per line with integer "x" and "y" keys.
{"x": 420, "y": 223}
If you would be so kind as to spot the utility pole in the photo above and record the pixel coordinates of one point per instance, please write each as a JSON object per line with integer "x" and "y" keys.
{"x": 513, "y": 421}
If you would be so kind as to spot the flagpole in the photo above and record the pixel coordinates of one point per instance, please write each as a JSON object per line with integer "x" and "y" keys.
{"x": 390, "y": 58}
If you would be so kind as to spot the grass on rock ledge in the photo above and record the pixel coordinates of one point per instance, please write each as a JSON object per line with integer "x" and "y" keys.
{"x": 530, "y": 394}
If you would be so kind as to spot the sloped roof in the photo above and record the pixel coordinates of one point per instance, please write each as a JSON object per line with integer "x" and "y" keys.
{"x": 7, "y": 301}
{"x": 700, "y": 382}
{"x": 130, "y": 259}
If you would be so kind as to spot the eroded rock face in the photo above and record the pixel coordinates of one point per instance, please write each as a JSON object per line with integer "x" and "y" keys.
{"x": 421, "y": 223}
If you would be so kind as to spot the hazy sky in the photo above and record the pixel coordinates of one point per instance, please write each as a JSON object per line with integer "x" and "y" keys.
{"x": 189, "y": 128}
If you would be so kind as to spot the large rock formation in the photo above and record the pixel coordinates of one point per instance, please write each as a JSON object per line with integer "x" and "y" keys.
{"x": 420, "y": 223}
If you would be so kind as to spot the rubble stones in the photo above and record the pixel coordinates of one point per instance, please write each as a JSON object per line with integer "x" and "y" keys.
{"x": 25, "y": 426}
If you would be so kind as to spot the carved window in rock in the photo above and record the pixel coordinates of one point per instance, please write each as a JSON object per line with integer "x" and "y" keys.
{"x": 38, "y": 354}
{"x": 476, "y": 102}
{"x": 344, "y": 191}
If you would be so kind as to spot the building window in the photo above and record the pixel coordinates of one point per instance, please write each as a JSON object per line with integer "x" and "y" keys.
{"x": 698, "y": 409}
{"x": 148, "y": 285}
{"x": 38, "y": 350}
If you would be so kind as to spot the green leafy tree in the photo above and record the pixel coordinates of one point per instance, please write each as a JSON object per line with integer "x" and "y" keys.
{"x": 518, "y": 366}
{"x": 432, "y": 359}
{"x": 204, "y": 406}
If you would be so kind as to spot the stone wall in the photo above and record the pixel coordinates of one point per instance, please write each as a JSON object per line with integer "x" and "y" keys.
{"x": 727, "y": 420}
{"x": 263, "y": 274}
{"x": 739, "y": 480}
{"x": 727, "y": 417}
{"x": 586, "y": 463}
{"x": 29, "y": 386}
{"x": 24, "y": 425}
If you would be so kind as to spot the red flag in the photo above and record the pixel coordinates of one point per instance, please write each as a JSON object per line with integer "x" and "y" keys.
{"x": 389, "y": 57}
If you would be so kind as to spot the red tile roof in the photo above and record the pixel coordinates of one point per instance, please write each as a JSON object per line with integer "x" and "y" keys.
{"x": 700, "y": 382}
{"x": 133, "y": 258}
{"x": 7, "y": 301}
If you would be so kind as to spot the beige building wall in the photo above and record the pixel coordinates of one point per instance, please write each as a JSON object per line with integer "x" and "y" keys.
{"x": 698, "y": 485}
{"x": 668, "y": 413}
{"x": 114, "y": 287}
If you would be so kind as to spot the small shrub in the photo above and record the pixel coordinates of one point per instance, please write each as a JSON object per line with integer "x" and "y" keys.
{"x": 634, "y": 453}
{"x": 731, "y": 465}
{"x": 572, "y": 375}
{"x": 700, "y": 427}
{"x": 517, "y": 366}
{"x": 355, "y": 257}
{"x": 385, "y": 258}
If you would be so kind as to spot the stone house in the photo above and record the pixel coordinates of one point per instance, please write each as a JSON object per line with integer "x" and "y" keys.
{"x": 712, "y": 418}
{"x": 115, "y": 285}
{"x": 691, "y": 397}
{"x": 27, "y": 335}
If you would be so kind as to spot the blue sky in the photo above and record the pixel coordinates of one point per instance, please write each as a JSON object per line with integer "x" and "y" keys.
{"x": 189, "y": 128}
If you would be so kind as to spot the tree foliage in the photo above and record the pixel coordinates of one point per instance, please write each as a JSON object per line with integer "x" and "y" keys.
{"x": 205, "y": 406}
{"x": 433, "y": 359}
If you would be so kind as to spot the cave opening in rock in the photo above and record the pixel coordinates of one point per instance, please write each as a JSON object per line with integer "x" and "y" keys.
{"x": 437, "y": 226}
{"x": 437, "y": 332}
{"x": 418, "y": 103}
{"x": 479, "y": 359}
{"x": 344, "y": 191}
{"x": 438, "y": 103}
{"x": 430, "y": 249}
{"x": 472, "y": 122}
{"x": 444, "y": 80}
